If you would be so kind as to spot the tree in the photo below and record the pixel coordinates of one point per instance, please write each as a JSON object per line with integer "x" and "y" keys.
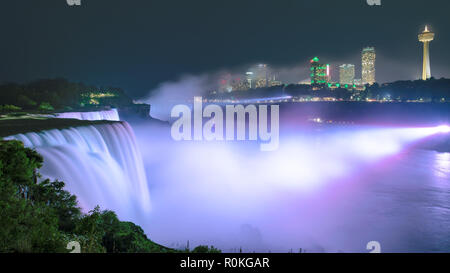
{"x": 90, "y": 228}
{"x": 43, "y": 217}
{"x": 64, "y": 204}
{"x": 46, "y": 106}
{"x": 205, "y": 249}
{"x": 25, "y": 226}
{"x": 122, "y": 237}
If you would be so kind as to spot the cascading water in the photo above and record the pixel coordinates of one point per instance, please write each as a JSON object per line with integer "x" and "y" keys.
{"x": 112, "y": 115}
{"x": 100, "y": 164}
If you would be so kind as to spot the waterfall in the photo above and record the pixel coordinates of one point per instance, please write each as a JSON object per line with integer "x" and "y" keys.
{"x": 97, "y": 115}
{"x": 100, "y": 164}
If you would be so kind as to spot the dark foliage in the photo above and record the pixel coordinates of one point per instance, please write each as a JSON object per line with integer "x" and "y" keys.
{"x": 58, "y": 94}
{"x": 43, "y": 217}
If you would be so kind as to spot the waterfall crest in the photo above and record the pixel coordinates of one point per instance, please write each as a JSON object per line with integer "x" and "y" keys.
{"x": 101, "y": 164}
{"x": 112, "y": 115}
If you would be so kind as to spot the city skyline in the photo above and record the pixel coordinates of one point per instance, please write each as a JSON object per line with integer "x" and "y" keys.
{"x": 320, "y": 74}
{"x": 153, "y": 43}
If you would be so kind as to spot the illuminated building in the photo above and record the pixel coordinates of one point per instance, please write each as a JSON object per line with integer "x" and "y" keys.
{"x": 305, "y": 82}
{"x": 426, "y": 37}
{"x": 275, "y": 83}
{"x": 273, "y": 80}
{"x": 96, "y": 98}
{"x": 249, "y": 79}
{"x": 368, "y": 65}
{"x": 261, "y": 76}
{"x": 239, "y": 84}
{"x": 320, "y": 73}
{"x": 258, "y": 76}
{"x": 347, "y": 74}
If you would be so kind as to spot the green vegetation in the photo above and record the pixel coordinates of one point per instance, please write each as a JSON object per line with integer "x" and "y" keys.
{"x": 205, "y": 249}
{"x": 43, "y": 217}
{"x": 45, "y": 106}
{"x": 9, "y": 108}
{"x": 50, "y": 94}
{"x": 436, "y": 90}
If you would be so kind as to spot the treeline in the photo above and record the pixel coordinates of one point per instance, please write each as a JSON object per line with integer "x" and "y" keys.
{"x": 299, "y": 90}
{"x": 58, "y": 94}
{"x": 43, "y": 217}
{"x": 431, "y": 90}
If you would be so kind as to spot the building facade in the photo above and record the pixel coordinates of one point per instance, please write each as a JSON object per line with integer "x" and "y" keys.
{"x": 319, "y": 72}
{"x": 368, "y": 65}
{"x": 347, "y": 74}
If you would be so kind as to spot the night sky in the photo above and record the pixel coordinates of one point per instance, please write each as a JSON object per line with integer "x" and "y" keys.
{"x": 139, "y": 44}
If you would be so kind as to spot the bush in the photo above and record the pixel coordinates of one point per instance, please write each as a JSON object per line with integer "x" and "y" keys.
{"x": 205, "y": 249}
{"x": 9, "y": 108}
{"x": 43, "y": 217}
{"x": 45, "y": 106}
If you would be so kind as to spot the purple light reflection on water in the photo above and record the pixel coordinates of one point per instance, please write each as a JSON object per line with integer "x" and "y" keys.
{"x": 331, "y": 190}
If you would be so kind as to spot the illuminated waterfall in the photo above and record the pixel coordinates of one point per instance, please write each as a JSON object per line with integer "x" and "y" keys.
{"x": 97, "y": 115}
{"x": 100, "y": 164}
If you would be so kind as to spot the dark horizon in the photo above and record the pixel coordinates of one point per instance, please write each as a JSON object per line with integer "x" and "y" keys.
{"x": 139, "y": 45}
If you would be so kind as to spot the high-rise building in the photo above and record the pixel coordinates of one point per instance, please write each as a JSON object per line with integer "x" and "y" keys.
{"x": 261, "y": 75}
{"x": 239, "y": 83}
{"x": 368, "y": 65}
{"x": 249, "y": 79}
{"x": 319, "y": 72}
{"x": 274, "y": 79}
{"x": 426, "y": 37}
{"x": 347, "y": 74}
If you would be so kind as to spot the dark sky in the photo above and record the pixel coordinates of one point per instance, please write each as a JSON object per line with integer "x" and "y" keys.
{"x": 138, "y": 44}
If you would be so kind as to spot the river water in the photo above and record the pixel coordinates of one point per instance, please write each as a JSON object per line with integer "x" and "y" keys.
{"x": 332, "y": 189}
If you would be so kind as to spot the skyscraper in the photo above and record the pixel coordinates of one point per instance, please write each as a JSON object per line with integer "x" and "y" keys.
{"x": 249, "y": 79}
{"x": 426, "y": 37}
{"x": 347, "y": 74}
{"x": 368, "y": 65}
{"x": 261, "y": 75}
{"x": 319, "y": 72}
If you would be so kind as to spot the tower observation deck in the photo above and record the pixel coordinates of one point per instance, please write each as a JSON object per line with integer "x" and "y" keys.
{"x": 426, "y": 37}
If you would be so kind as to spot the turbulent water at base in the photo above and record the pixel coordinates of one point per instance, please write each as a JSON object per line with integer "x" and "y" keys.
{"x": 97, "y": 115}
{"x": 101, "y": 164}
{"x": 331, "y": 190}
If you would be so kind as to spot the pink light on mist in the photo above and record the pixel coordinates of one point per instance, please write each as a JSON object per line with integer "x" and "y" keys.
{"x": 443, "y": 129}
